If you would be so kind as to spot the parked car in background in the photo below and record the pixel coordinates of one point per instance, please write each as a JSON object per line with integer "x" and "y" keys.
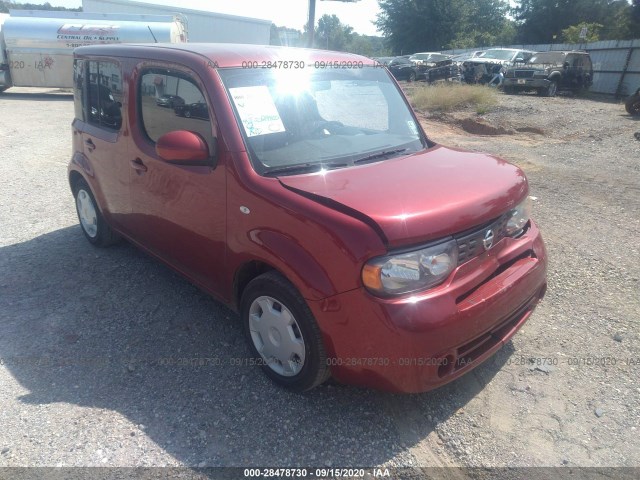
{"x": 444, "y": 70}
{"x": 383, "y": 60}
{"x": 195, "y": 110}
{"x": 169, "y": 101}
{"x": 404, "y": 69}
{"x": 547, "y": 72}
{"x": 349, "y": 243}
{"x": 462, "y": 57}
{"x": 428, "y": 59}
{"x": 632, "y": 104}
{"x": 490, "y": 65}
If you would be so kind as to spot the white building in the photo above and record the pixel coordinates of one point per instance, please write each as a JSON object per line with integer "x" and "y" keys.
{"x": 202, "y": 26}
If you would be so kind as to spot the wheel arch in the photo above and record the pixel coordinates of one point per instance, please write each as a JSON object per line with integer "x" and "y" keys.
{"x": 244, "y": 274}
{"x": 74, "y": 177}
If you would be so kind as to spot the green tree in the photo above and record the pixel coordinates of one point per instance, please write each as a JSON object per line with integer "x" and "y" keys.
{"x": 422, "y": 25}
{"x": 5, "y": 5}
{"x": 543, "y": 21}
{"x": 367, "y": 45}
{"x": 572, "y": 34}
{"x": 332, "y": 34}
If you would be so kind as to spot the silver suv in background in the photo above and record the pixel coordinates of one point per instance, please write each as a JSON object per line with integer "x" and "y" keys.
{"x": 489, "y": 67}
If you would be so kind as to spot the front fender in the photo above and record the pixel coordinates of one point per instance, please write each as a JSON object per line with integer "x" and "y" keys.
{"x": 292, "y": 259}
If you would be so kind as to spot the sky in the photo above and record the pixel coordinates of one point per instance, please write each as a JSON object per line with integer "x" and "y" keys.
{"x": 288, "y": 13}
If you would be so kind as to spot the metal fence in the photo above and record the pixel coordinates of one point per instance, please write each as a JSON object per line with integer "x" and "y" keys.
{"x": 616, "y": 63}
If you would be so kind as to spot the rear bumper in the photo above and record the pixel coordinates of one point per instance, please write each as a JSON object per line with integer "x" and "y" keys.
{"x": 418, "y": 343}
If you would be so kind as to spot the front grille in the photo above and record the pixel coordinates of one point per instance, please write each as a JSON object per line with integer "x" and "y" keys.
{"x": 470, "y": 244}
{"x": 471, "y": 351}
{"x": 524, "y": 73}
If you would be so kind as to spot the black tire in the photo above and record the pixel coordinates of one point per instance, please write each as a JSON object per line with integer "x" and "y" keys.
{"x": 549, "y": 91}
{"x": 632, "y": 105}
{"x": 104, "y": 235}
{"x": 412, "y": 77}
{"x": 510, "y": 90}
{"x": 273, "y": 286}
{"x": 187, "y": 113}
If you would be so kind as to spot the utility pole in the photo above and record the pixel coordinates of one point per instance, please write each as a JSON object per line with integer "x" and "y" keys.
{"x": 311, "y": 23}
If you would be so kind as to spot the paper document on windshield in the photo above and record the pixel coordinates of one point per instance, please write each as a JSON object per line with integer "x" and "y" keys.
{"x": 258, "y": 113}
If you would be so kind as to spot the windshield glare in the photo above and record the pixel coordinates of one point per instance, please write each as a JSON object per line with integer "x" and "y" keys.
{"x": 549, "y": 58}
{"x": 498, "y": 54}
{"x": 320, "y": 117}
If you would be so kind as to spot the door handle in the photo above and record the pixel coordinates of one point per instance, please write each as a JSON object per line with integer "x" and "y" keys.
{"x": 90, "y": 145}
{"x": 138, "y": 166}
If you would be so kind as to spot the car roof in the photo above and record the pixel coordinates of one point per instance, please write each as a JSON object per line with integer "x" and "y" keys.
{"x": 222, "y": 54}
{"x": 580, "y": 52}
{"x": 507, "y": 49}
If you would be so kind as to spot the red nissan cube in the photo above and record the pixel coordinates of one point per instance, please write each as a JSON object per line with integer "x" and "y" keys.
{"x": 298, "y": 187}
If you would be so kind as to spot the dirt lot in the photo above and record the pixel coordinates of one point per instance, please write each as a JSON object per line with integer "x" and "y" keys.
{"x": 85, "y": 331}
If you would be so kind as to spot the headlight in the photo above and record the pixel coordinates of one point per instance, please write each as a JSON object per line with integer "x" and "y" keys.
{"x": 519, "y": 218}
{"x": 411, "y": 271}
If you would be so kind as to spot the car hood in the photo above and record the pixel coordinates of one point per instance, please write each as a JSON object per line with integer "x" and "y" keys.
{"x": 420, "y": 197}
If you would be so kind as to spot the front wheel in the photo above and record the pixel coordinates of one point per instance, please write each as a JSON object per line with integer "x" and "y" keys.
{"x": 632, "y": 105}
{"x": 550, "y": 90}
{"x": 282, "y": 333}
{"x": 187, "y": 113}
{"x": 412, "y": 77}
{"x": 92, "y": 222}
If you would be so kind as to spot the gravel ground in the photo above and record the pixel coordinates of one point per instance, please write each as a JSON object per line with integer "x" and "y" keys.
{"x": 86, "y": 333}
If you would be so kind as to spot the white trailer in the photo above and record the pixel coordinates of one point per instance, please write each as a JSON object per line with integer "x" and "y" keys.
{"x": 205, "y": 26}
{"x": 36, "y": 47}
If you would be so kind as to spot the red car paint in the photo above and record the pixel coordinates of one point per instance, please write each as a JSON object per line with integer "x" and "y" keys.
{"x": 318, "y": 229}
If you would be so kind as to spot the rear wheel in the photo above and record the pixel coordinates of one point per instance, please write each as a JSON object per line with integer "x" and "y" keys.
{"x": 92, "y": 222}
{"x": 187, "y": 113}
{"x": 282, "y": 333}
{"x": 632, "y": 105}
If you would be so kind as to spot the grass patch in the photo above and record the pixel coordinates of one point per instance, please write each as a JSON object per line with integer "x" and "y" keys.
{"x": 451, "y": 96}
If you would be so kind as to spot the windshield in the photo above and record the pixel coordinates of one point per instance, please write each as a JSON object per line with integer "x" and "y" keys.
{"x": 320, "y": 118}
{"x": 549, "y": 58}
{"x": 499, "y": 54}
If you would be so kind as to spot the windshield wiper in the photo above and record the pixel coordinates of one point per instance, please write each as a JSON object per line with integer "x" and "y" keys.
{"x": 303, "y": 168}
{"x": 375, "y": 156}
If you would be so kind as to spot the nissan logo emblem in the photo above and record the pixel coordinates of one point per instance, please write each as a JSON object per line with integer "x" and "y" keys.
{"x": 487, "y": 241}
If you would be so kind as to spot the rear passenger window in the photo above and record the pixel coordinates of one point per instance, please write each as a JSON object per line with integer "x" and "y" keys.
{"x": 78, "y": 88}
{"x": 172, "y": 101}
{"x": 104, "y": 95}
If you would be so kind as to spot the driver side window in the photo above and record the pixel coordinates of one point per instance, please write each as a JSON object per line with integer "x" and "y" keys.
{"x": 170, "y": 100}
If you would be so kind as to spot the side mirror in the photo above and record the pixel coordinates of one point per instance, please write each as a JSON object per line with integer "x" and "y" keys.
{"x": 182, "y": 147}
